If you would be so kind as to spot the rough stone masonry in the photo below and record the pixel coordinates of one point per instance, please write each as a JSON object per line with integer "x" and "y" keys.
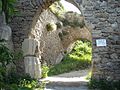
{"x": 103, "y": 16}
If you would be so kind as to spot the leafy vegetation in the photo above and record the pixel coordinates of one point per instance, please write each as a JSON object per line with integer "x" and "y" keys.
{"x": 104, "y": 84}
{"x": 14, "y": 81}
{"x": 8, "y": 6}
{"x": 6, "y": 56}
{"x": 79, "y": 58}
{"x": 11, "y": 79}
{"x": 45, "y": 70}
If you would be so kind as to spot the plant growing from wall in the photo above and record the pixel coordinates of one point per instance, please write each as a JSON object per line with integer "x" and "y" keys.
{"x": 51, "y": 26}
{"x": 45, "y": 70}
{"x": 58, "y": 9}
{"x": 11, "y": 80}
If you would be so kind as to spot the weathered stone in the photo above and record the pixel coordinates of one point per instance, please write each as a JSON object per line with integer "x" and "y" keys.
{"x": 29, "y": 46}
{"x": 59, "y": 58}
{"x": 114, "y": 25}
{"x": 103, "y": 4}
{"x": 102, "y": 15}
{"x": 6, "y": 32}
{"x": 118, "y": 10}
{"x": 33, "y": 66}
{"x": 114, "y": 56}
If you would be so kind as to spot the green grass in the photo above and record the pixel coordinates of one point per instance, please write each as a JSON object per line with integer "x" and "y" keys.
{"x": 79, "y": 58}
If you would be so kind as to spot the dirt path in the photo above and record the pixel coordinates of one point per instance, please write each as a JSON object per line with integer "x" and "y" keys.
{"x": 75, "y": 80}
{"x": 79, "y": 73}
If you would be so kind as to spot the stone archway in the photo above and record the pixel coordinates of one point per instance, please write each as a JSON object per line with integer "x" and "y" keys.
{"x": 104, "y": 19}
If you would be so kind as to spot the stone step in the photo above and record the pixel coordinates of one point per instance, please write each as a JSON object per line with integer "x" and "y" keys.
{"x": 68, "y": 84}
{"x": 66, "y": 88}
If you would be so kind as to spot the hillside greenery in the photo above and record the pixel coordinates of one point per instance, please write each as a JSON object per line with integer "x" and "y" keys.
{"x": 79, "y": 58}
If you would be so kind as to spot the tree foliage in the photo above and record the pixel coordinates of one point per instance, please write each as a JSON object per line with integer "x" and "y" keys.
{"x": 7, "y": 6}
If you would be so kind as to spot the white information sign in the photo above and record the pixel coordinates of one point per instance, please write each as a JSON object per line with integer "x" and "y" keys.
{"x": 101, "y": 42}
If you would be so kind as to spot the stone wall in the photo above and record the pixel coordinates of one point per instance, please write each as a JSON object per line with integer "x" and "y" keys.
{"x": 104, "y": 19}
{"x": 50, "y": 44}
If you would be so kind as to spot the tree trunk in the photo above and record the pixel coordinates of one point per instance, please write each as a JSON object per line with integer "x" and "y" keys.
{"x": 5, "y": 8}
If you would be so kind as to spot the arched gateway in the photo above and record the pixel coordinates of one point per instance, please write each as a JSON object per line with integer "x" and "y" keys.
{"x": 102, "y": 16}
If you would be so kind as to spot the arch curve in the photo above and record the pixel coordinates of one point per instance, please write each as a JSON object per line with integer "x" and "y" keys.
{"x": 105, "y": 21}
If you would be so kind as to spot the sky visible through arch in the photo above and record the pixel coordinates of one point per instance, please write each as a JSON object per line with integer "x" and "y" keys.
{"x": 70, "y": 7}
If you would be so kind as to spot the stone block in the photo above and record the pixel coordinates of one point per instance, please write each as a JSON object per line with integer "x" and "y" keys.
{"x": 33, "y": 66}
{"x": 103, "y": 4}
{"x": 29, "y": 46}
{"x": 114, "y": 25}
{"x": 114, "y": 56}
{"x": 6, "y": 32}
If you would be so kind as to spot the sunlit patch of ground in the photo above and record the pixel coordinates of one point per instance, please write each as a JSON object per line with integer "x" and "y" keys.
{"x": 75, "y": 80}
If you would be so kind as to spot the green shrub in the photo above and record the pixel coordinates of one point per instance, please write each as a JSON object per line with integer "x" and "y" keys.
{"x": 45, "y": 70}
{"x": 79, "y": 58}
{"x": 12, "y": 80}
{"x": 28, "y": 83}
{"x": 6, "y": 56}
{"x": 15, "y": 81}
